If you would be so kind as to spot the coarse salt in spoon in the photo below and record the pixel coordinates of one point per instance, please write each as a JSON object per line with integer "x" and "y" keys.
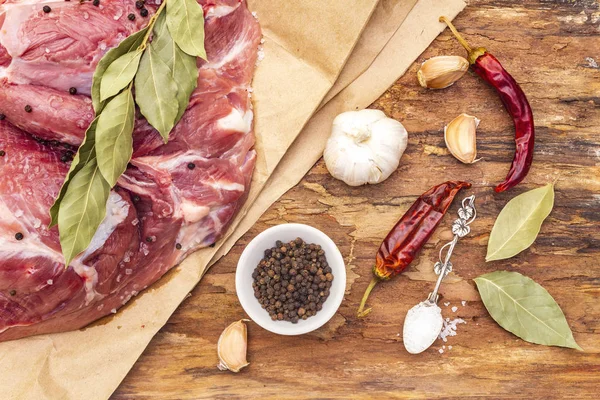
{"x": 423, "y": 322}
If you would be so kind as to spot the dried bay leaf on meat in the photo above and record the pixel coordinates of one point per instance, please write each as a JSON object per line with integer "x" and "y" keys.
{"x": 85, "y": 153}
{"x": 156, "y": 92}
{"x": 114, "y": 139}
{"x": 119, "y": 74}
{"x": 519, "y": 223}
{"x": 183, "y": 66}
{"x": 523, "y": 307}
{"x": 185, "y": 19}
{"x": 129, "y": 44}
{"x": 82, "y": 210}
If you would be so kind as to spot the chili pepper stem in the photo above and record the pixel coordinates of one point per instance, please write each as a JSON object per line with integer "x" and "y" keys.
{"x": 361, "y": 309}
{"x": 458, "y": 36}
{"x": 474, "y": 54}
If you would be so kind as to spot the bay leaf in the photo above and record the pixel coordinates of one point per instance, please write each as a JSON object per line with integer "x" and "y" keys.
{"x": 185, "y": 19}
{"x": 84, "y": 154}
{"x": 519, "y": 223}
{"x": 156, "y": 92}
{"x": 183, "y": 66}
{"x": 130, "y": 43}
{"x": 119, "y": 74}
{"x": 82, "y": 210}
{"x": 114, "y": 139}
{"x": 523, "y": 307}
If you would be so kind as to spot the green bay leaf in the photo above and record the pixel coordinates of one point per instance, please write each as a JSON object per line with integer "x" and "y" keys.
{"x": 82, "y": 210}
{"x": 84, "y": 154}
{"x": 156, "y": 92}
{"x": 129, "y": 44}
{"x": 185, "y": 19}
{"x": 523, "y": 307}
{"x": 114, "y": 139}
{"x": 183, "y": 66}
{"x": 519, "y": 223}
{"x": 119, "y": 74}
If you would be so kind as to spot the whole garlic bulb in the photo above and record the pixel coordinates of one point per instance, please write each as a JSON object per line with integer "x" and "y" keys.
{"x": 365, "y": 147}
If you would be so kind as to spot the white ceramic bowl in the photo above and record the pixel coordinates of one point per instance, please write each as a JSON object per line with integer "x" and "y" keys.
{"x": 254, "y": 252}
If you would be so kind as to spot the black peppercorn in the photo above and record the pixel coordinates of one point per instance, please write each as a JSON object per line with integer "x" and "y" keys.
{"x": 46, "y": 9}
{"x": 144, "y": 12}
{"x": 96, "y": 3}
{"x": 2, "y": 153}
{"x": 178, "y": 246}
{"x": 283, "y": 278}
{"x": 13, "y": 292}
{"x": 131, "y": 17}
{"x": 28, "y": 108}
{"x": 2, "y": 117}
{"x": 191, "y": 165}
{"x": 148, "y": 239}
{"x": 73, "y": 90}
{"x": 139, "y": 4}
{"x": 64, "y": 158}
{"x": 19, "y": 236}
{"x": 136, "y": 199}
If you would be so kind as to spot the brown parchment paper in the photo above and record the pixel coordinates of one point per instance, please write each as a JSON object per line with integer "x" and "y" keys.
{"x": 306, "y": 45}
{"x": 410, "y": 39}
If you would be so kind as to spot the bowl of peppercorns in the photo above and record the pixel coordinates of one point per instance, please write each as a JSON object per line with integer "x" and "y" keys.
{"x": 291, "y": 279}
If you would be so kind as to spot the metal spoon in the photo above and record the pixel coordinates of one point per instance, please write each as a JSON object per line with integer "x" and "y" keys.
{"x": 424, "y": 321}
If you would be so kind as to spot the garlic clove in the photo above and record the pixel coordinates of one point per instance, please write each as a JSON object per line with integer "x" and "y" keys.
{"x": 460, "y": 136}
{"x": 442, "y": 71}
{"x": 232, "y": 347}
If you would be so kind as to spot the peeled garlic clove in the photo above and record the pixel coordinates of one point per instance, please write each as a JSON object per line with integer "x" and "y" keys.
{"x": 460, "y": 136}
{"x": 232, "y": 347}
{"x": 442, "y": 71}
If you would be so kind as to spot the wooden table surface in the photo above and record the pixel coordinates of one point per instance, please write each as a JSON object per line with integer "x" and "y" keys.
{"x": 551, "y": 47}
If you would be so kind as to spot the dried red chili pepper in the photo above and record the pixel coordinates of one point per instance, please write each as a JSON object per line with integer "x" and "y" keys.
{"x": 409, "y": 234}
{"x": 490, "y": 70}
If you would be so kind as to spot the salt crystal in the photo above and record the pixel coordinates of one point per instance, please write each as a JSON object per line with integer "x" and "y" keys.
{"x": 441, "y": 351}
{"x": 135, "y": 222}
{"x": 255, "y": 15}
{"x": 447, "y": 303}
{"x": 421, "y": 326}
{"x": 86, "y": 15}
{"x": 260, "y": 55}
{"x": 100, "y": 307}
{"x": 114, "y": 311}
{"x": 47, "y": 50}
{"x": 49, "y": 281}
{"x": 128, "y": 271}
{"x": 454, "y": 309}
{"x": 449, "y": 347}
{"x": 119, "y": 278}
{"x": 443, "y": 347}
{"x": 19, "y": 213}
{"x": 449, "y": 328}
{"x": 464, "y": 303}
{"x": 262, "y": 40}
{"x": 37, "y": 223}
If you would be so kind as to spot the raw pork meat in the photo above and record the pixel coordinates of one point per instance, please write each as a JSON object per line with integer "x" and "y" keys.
{"x": 172, "y": 200}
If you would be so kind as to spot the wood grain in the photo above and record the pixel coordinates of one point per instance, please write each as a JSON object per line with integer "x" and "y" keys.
{"x": 551, "y": 47}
